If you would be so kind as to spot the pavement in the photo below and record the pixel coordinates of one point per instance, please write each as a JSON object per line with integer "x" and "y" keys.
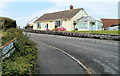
{"x": 99, "y": 56}
{"x": 51, "y": 61}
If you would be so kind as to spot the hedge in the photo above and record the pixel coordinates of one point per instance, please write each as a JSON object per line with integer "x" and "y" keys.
{"x": 23, "y": 60}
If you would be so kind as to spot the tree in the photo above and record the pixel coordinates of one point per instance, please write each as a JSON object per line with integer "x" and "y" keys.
{"x": 92, "y": 23}
{"x": 28, "y": 26}
{"x": 74, "y": 24}
{"x": 8, "y": 23}
{"x": 119, "y": 26}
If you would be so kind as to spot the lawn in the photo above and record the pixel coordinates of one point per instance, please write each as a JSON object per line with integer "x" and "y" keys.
{"x": 98, "y": 32}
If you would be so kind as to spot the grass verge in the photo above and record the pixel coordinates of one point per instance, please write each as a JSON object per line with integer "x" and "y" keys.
{"x": 117, "y": 32}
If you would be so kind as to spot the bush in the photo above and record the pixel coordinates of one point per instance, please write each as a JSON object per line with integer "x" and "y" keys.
{"x": 8, "y": 23}
{"x": 59, "y": 29}
{"x": 47, "y": 29}
{"x": 28, "y": 26}
{"x": 55, "y": 29}
{"x": 56, "y": 26}
{"x": 62, "y": 29}
{"x": 23, "y": 60}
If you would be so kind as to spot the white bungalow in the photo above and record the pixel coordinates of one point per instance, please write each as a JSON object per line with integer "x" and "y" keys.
{"x": 65, "y": 19}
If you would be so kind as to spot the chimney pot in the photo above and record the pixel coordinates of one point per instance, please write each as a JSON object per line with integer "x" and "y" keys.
{"x": 71, "y": 7}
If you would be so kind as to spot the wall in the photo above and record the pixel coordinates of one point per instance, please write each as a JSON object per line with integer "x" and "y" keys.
{"x": 68, "y": 25}
{"x": 80, "y": 14}
{"x": 51, "y": 25}
{"x": 35, "y": 26}
{"x": 81, "y": 35}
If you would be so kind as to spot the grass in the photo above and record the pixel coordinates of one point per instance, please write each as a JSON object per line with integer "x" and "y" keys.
{"x": 98, "y": 32}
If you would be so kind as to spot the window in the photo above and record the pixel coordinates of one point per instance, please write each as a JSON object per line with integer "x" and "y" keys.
{"x": 83, "y": 25}
{"x": 38, "y": 25}
{"x": 58, "y": 23}
{"x": 46, "y": 26}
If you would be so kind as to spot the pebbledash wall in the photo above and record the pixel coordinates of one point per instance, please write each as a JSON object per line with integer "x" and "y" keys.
{"x": 81, "y": 35}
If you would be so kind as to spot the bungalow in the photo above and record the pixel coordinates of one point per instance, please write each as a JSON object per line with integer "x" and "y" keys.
{"x": 69, "y": 19}
{"x": 110, "y": 24}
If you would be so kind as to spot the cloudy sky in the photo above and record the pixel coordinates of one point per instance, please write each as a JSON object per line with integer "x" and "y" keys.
{"x": 25, "y": 10}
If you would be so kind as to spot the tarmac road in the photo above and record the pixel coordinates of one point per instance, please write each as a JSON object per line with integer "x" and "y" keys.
{"x": 99, "y": 56}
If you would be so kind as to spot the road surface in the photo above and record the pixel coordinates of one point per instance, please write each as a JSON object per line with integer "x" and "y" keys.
{"x": 99, "y": 56}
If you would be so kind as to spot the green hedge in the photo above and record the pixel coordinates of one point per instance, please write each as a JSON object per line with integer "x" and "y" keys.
{"x": 23, "y": 60}
{"x": 8, "y": 23}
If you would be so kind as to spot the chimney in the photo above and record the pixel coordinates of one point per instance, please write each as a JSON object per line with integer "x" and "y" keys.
{"x": 71, "y": 7}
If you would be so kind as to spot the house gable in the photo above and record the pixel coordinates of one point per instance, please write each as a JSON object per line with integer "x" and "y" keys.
{"x": 80, "y": 14}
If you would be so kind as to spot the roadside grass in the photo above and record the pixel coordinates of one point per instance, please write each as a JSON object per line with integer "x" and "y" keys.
{"x": 23, "y": 60}
{"x": 116, "y": 32}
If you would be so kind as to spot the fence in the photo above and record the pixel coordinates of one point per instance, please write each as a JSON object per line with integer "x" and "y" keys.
{"x": 7, "y": 49}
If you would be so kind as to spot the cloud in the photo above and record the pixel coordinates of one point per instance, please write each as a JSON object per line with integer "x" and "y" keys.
{"x": 95, "y": 9}
{"x": 3, "y": 3}
{"x": 55, "y": 1}
{"x": 22, "y": 21}
{"x": 49, "y": 10}
{"x": 92, "y": 7}
{"x": 83, "y": 0}
{"x": 102, "y": 9}
{"x": 3, "y": 14}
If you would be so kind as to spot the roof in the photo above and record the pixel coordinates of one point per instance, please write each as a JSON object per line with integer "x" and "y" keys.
{"x": 109, "y": 22}
{"x": 86, "y": 18}
{"x": 67, "y": 14}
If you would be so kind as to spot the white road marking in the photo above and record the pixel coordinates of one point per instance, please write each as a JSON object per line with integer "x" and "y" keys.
{"x": 107, "y": 69}
{"x": 83, "y": 66}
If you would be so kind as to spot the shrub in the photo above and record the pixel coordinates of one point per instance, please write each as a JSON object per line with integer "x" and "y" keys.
{"x": 55, "y": 29}
{"x": 62, "y": 29}
{"x": 56, "y": 26}
{"x": 28, "y": 26}
{"x": 23, "y": 59}
{"x": 8, "y": 23}
{"x": 47, "y": 29}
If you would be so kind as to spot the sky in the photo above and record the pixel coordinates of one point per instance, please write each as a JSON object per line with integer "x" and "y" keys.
{"x": 23, "y": 11}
